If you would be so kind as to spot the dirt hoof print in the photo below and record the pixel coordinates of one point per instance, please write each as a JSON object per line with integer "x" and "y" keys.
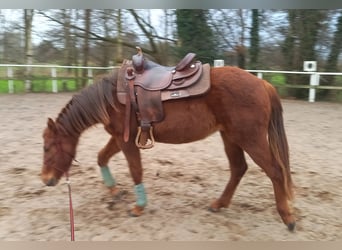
{"x": 120, "y": 195}
{"x": 18, "y": 170}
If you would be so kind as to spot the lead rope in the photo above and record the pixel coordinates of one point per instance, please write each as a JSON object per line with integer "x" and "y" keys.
{"x": 72, "y": 223}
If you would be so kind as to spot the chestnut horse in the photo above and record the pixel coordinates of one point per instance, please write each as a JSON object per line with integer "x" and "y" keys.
{"x": 245, "y": 110}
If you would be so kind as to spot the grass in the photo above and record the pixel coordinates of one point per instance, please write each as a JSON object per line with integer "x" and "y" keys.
{"x": 18, "y": 86}
{"x": 39, "y": 86}
{"x": 41, "y": 79}
{"x": 278, "y": 80}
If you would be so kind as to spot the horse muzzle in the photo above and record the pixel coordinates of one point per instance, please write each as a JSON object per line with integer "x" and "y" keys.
{"x": 51, "y": 181}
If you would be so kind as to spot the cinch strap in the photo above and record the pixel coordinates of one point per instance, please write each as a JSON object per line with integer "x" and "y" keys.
{"x": 141, "y": 195}
{"x": 107, "y": 177}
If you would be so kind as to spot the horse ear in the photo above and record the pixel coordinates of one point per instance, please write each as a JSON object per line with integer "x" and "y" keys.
{"x": 51, "y": 125}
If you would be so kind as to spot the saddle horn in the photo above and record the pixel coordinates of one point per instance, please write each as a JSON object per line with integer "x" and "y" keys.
{"x": 138, "y": 61}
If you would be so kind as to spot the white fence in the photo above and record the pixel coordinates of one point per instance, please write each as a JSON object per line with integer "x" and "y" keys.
{"x": 314, "y": 80}
{"x": 312, "y": 86}
{"x": 53, "y": 70}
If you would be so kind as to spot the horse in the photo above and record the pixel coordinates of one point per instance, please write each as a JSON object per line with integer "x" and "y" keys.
{"x": 245, "y": 110}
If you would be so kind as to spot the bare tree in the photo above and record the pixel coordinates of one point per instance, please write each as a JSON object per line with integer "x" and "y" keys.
{"x": 300, "y": 44}
{"x": 119, "y": 54}
{"x": 231, "y": 27}
{"x": 28, "y": 18}
{"x": 332, "y": 60}
{"x": 87, "y": 17}
{"x": 66, "y": 16}
{"x": 254, "y": 48}
{"x": 2, "y": 31}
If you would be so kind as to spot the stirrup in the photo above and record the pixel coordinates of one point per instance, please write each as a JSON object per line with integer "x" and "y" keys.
{"x": 147, "y": 145}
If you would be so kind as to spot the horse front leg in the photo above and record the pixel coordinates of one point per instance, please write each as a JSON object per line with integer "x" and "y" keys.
{"x": 103, "y": 158}
{"x": 132, "y": 154}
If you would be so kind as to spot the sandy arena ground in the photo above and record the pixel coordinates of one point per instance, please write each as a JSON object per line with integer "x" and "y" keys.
{"x": 178, "y": 193}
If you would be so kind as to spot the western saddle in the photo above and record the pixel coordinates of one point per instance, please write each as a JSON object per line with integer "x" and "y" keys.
{"x": 144, "y": 85}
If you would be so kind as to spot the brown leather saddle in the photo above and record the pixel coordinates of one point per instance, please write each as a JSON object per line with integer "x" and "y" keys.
{"x": 143, "y": 85}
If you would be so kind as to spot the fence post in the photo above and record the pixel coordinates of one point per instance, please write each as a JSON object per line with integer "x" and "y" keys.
{"x": 314, "y": 81}
{"x": 218, "y": 63}
{"x": 259, "y": 75}
{"x": 54, "y": 80}
{"x": 90, "y": 75}
{"x": 10, "y": 81}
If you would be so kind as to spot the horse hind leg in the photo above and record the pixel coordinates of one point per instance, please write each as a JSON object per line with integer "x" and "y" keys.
{"x": 261, "y": 155}
{"x": 103, "y": 158}
{"x": 238, "y": 167}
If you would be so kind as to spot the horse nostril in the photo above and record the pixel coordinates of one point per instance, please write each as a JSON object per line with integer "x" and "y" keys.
{"x": 51, "y": 182}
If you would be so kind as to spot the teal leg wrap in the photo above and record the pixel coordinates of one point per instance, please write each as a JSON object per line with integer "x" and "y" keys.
{"x": 107, "y": 177}
{"x": 141, "y": 195}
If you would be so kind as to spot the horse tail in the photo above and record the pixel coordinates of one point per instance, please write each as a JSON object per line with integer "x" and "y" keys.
{"x": 277, "y": 139}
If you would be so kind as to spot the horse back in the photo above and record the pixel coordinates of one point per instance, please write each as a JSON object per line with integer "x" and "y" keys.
{"x": 236, "y": 100}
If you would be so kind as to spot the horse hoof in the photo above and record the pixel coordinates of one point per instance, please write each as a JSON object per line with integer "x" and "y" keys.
{"x": 116, "y": 193}
{"x": 291, "y": 226}
{"x": 131, "y": 214}
{"x": 213, "y": 210}
{"x": 136, "y": 211}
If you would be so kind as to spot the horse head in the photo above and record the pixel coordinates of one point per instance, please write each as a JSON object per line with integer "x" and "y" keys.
{"x": 59, "y": 151}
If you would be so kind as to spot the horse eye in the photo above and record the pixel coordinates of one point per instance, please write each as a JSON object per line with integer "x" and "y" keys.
{"x": 46, "y": 149}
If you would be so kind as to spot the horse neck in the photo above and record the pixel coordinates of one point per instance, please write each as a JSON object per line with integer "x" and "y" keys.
{"x": 77, "y": 117}
{"x": 68, "y": 131}
{"x": 74, "y": 125}
{"x": 88, "y": 107}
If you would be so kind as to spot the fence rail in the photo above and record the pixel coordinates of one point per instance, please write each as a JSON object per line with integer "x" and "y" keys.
{"x": 313, "y": 85}
{"x": 10, "y": 77}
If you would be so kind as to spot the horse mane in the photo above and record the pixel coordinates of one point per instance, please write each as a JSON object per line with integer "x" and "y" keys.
{"x": 88, "y": 107}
